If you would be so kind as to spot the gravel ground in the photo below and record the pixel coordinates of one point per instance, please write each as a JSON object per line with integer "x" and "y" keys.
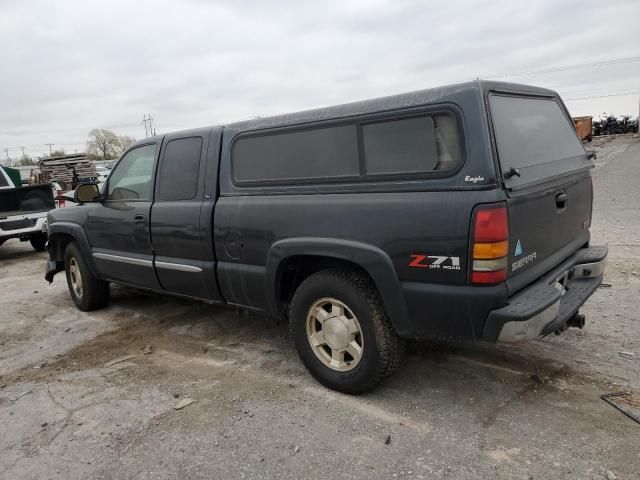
{"x": 463, "y": 411}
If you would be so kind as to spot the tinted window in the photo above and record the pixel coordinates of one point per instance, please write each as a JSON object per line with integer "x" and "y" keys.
{"x": 320, "y": 153}
{"x": 180, "y": 168}
{"x": 411, "y": 145}
{"x": 131, "y": 178}
{"x": 533, "y": 134}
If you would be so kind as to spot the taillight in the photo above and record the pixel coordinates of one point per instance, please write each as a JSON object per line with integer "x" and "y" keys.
{"x": 61, "y": 203}
{"x": 490, "y": 248}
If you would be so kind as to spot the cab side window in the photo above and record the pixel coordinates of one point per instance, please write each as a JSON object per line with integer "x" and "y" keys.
{"x": 179, "y": 169}
{"x": 131, "y": 179}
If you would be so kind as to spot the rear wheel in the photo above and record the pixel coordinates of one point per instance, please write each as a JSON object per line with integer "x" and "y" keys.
{"x": 87, "y": 291}
{"x": 38, "y": 241}
{"x": 342, "y": 332}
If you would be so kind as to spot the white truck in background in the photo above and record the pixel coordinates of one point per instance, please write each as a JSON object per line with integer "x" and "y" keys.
{"x": 23, "y": 211}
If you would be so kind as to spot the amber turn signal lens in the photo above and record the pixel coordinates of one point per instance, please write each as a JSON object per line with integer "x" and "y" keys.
{"x": 491, "y": 250}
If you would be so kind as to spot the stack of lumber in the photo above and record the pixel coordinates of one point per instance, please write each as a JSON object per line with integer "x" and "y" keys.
{"x": 60, "y": 169}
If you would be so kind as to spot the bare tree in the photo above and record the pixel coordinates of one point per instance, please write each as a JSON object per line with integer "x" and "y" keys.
{"x": 26, "y": 160}
{"x": 102, "y": 143}
{"x": 58, "y": 153}
{"x": 105, "y": 144}
{"x": 124, "y": 142}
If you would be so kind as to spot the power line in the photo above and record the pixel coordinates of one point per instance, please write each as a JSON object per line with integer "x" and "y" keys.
{"x": 564, "y": 68}
{"x": 38, "y": 146}
{"x": 66, "y": 129}
{"x": 602, "y": 96}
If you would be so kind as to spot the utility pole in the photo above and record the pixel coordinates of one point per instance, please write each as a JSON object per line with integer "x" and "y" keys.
{"x": 147, "y": 121}
{"x": 6, "y": 152}
{"x": 23, "y": 155}
{"x": 50, "y": 145}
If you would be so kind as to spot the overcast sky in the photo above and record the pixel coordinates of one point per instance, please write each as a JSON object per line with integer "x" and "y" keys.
{"x": 70, "y": 66}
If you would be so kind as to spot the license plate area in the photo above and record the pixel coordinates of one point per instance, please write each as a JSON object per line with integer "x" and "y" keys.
{"x": 17, "y": 224}
{"x": 561, "y": 282}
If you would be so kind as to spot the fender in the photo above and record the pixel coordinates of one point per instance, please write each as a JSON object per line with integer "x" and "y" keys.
{"x": 371, "y": 259}
{"x": 79, "y": 236}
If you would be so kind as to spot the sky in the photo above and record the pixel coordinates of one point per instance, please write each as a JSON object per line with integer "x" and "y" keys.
{"x": 70, "y": 66}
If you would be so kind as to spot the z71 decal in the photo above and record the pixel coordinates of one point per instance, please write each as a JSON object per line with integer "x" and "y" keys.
{"x": 435, "y": 262}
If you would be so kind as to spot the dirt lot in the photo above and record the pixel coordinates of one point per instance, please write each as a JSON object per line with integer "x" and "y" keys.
{"x": 463, "y": 411}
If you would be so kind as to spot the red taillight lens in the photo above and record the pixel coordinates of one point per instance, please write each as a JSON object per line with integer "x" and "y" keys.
{"x": 490, "y": 245}
{"x": 489, "y": 278}
{"x": 491, "y": 225}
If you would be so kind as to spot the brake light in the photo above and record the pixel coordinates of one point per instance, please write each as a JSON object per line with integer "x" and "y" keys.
{"x": 490, "y": 248}
{"x": 61, "y": 203}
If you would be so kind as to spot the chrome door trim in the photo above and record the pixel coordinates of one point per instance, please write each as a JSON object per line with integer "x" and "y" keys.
{"x": 178, "y": 267}
{"x": 121, "y": 259}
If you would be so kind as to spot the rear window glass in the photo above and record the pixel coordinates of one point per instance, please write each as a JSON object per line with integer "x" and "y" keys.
{"x": 411, "y": 145}
{"x": 180, "y": 168}
{"x": 308, "y": 154}
{"x": 534, "y": 136}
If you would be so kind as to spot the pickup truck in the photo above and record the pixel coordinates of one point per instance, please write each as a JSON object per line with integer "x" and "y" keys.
{"x": 23, "y": 211}
{"x": 460, "y": 212}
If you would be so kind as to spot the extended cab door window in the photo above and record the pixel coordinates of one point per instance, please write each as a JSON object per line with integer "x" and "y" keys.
{"x": 132, "y": 177}
{"x": 180, "y": 168}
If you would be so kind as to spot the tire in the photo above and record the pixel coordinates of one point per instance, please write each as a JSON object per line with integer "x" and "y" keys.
{"x": 87, "y": 291}
{"x": 38, "y": 241}
{"x": 344, "y": 296}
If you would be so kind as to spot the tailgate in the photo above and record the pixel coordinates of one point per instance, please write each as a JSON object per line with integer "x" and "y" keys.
{"x": 545, "y": 171}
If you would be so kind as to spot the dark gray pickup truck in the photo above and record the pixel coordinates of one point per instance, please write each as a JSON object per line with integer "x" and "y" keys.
{"x": 457, "y": 212}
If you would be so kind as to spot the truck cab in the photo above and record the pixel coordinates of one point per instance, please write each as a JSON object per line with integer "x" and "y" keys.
{"x": 457, "y": 212}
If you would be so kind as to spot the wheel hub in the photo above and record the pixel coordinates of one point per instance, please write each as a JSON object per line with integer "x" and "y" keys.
{"x": 75, "y": 277}
{"x": 336, "y": 333}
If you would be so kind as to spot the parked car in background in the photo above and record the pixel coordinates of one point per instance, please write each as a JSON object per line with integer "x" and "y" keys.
{"x": 458, "y": 212}
{"x": 103, "y": 173}
{"x": 23, "y": 211}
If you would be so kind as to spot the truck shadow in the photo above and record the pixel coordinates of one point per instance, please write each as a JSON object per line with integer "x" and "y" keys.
{"x": 216, "y": 342}
{"x": 234, "y": 335}
{"x": 12, "y": 251}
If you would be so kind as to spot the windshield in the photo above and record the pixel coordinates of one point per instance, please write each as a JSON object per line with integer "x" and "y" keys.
{"x": 534, "y": 138}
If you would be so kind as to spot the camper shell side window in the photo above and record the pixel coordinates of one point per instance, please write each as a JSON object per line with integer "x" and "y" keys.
{"x": 390, "y": 147}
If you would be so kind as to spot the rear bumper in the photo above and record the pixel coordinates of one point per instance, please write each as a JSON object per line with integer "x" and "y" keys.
{"x": 22, "y": 226}
{"x": 546, "y": 305}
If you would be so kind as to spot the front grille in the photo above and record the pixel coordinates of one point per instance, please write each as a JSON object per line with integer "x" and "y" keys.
{"x": 18, "y": 224}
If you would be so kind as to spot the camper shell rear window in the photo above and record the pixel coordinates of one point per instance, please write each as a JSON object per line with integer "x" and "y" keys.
{"x": 535, "y": 139}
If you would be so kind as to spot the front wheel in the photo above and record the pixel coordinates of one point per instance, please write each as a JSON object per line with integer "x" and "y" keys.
{"x": 87, "y": 291}
{"x": 342, "y": 333}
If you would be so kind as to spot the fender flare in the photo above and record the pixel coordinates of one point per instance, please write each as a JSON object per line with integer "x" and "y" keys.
{"x": 79, "y": 236}
{"x": 370, "y": 258}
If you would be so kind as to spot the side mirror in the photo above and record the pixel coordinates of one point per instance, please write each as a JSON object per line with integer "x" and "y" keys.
{"x": 86, "y": 192}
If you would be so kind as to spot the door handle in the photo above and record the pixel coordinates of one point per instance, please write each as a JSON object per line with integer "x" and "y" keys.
{"x": 139, "y": 218}
{"x": 561, "y": 200}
